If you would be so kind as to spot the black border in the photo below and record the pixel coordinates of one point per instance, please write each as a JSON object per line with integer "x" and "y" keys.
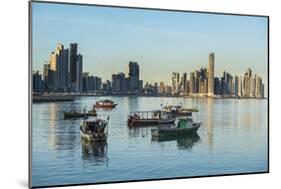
{"x": 140, "y": 8}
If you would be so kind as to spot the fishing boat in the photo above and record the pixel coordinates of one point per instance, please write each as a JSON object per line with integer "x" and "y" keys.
{"x": 179, "y": 110}
{"x": 69, "y": 115}
{"x": 94, "y": 129}
{"x": 183, "y": 126}
{"x": 105, "y": 104}
{"x": 142, "y": 118}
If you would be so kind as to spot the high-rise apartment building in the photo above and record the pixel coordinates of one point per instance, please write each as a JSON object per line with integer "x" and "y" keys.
{"x": 192, "y": 83}
{"x": 258, "y": 87}
{"x": 217, "y": 87}
{"x": 133, "y": 77}
{"x": 175, "y": 82}
{"x": 211, "y": 74}
{"x": 73, "y": 66}
{"x": 79, "y": 71}
{"x": 184, "y": 83}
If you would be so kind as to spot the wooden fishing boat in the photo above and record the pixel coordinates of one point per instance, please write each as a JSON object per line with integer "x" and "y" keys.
{"x": 142, "y": 118}
{"x": 179, "y": 110}
{"x": 69, "y": 115}
{"x": 105, "y": 104}
{"x": 94, "y": 129}
{"x": 184, "y": 126}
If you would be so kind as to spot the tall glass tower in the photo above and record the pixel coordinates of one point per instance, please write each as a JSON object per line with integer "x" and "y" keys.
{"x": 211, "y": 66}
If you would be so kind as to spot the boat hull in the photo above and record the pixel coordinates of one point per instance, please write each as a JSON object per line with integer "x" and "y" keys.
{"x": 105, "y": 106}
{"x": 181, "y": 114}
{"x": 149, "y": 122}
{"x": 169, "y": 131}
{"x": 69, "y": 115}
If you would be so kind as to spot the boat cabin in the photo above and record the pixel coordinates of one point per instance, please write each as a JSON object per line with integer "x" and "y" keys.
{"x": 145, "y": 115}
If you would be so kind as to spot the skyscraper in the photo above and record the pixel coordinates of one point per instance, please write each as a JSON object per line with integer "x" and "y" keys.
{"x": 192, "y": 83}
{"x": 53, "y": 68}
{"x": 203, "y": 82}
{"x": 252, "y": 85}
{"x": 79, "y": 71}
{"x": 133, "y": 77}
{"x": 119, "y": 83}
{"x": 258, "y": 89}
{"x": 64, "y": 74}
{"x": 53, "y": 61}
{"x": 126, "y": 86}
{"x": 140, "y": 85}
{"x": 229, "y": 84}
{"x": 240, "y": 87}
{"x": 58, "y": 65}
{"x": 108, "y": 87}
{"x": 223, "y": 84}
{"x": 162, "y": 88}
{"x": 247, "y": 83}
{"x": 73, "y": 66}
{"x": 175, "y": 82}
{"x": 98, "y": 84}
{"x": 196, "y": 81}
{"x": 211, "y": 74}
{"x": 45, "y": 76}
{"x": 184, "y": 82}
{"x": 217, "y": 87}
{"x": 37, "y": 82}
{"x": 236, "y": 85}
{"x": 262, "y": 90}
{"x": 187, "y": 87}
{"x": 85, "y": 82}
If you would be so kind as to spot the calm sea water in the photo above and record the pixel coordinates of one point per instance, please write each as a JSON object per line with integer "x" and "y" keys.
{"x": 232, "y": 139}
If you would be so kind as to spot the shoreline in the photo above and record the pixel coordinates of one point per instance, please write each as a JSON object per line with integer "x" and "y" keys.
{"x": 59, "y": 97}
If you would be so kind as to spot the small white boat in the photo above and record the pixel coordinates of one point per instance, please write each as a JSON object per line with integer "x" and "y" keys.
{"x": 107, "y": 104}
{"x": 94, "y": 129}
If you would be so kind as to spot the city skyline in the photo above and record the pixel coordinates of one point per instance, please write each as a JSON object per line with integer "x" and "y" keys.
{"x": 64, "y": 73}
{"x": 114, "y": 36}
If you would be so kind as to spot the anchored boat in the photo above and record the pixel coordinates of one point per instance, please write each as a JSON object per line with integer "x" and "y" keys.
{"x": 141, "y": 118}
{"x": 105, "y": 104}
{"x": 179, "y": 110}
{"x": 69, "y": 115}
{"x": 94, "y": 129}
{"x": 184, "y": 126}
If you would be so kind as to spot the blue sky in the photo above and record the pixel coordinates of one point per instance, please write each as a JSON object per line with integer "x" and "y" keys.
{"x": 161, "y": 42}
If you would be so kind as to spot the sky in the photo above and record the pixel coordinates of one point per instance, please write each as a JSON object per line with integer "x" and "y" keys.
{"x": 161, "y": 42}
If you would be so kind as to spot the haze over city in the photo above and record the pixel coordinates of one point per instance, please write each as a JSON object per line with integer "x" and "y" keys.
{"x": 109, "y": 38}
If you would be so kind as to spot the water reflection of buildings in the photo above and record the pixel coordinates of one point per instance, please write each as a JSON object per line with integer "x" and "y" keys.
{"x": 60, "y": 135}
{"x": 133, "y": 104}
{"x": 52, "y": 124}
{"x": 94, "y": 152}
{"x": 183, "y": 142}
{"x": 210, "y": 112}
